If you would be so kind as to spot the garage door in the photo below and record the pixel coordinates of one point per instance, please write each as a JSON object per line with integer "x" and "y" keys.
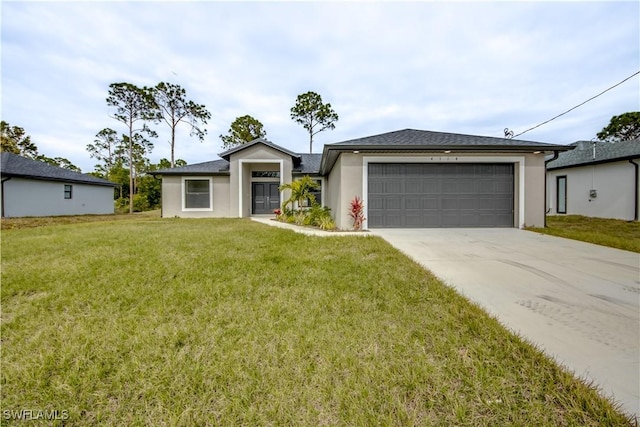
{"x": 429, "y": 195}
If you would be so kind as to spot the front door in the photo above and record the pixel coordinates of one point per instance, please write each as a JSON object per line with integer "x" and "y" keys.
{"x": 265, "y": 197}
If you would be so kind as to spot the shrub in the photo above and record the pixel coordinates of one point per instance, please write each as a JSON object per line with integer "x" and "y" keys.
{"x": 356, "y": 212}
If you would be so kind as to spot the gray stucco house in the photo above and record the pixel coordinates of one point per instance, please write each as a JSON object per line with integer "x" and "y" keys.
{"x": 33, "y": 188}
{"x": 597, "y": 179}
{"x": 408, "y": 178}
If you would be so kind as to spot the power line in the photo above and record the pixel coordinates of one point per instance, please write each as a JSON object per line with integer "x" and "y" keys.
{"x": 509, "y": 134}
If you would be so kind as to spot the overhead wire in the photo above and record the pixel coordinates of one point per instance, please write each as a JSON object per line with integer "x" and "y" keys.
{"x": 509, "y": 133}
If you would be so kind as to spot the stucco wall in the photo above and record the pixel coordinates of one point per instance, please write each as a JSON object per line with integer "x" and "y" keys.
{"x": 31, "y": 197}
{"x": 172, "y": 193}
{"x": 346, "y": 181}
{"x": 614, "y": 183}
{"x": 257, "y": 157}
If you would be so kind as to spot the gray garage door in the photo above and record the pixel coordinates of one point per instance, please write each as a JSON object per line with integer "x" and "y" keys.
{"x": 429, "y": 195}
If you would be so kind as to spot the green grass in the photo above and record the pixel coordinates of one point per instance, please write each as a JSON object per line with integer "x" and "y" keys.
{"x": 614, "y": 233}
{"x": 229, "y": 322}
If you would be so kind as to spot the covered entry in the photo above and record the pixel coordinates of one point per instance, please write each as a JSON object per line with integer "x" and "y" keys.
{"x": 429, "y": 195}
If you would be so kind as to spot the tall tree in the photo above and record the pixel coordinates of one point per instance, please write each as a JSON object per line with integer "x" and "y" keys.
{"x": 134, "y": 106}
{"x": 624, "y": 127}
{"x": 106, "y": 149}
{"x": 175, "y": 108}
{"x": 60, "y": 162}
{"x": 313, "y": 115}
{"x": 13, "y": 139}
{"x": 243, "y": 129}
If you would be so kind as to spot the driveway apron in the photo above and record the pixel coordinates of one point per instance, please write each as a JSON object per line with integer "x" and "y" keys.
{"x": 578, "y": 302}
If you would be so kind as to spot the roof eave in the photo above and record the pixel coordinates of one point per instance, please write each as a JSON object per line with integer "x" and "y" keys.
{"x": 329, "y": 159}
{"x": 595, "y": 162}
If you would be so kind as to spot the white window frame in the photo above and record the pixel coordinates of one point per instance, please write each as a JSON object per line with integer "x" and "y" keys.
{"x": 184, "y": 193}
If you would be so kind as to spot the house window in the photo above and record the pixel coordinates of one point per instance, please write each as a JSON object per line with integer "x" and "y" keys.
{"x": 317, "y": 192}
{"x": 265, "y": 174}
{"x": 68, "y": 191}
{"x": 561, "y": 194}
{"x": 197, "y": 194}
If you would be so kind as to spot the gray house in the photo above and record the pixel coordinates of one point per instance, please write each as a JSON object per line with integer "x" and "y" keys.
{"x": 34, "y": 188}
{"x": 408, "y": 178}
{"x": 597, "y": 179}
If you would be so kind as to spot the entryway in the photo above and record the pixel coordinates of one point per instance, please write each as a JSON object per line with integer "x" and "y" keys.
{"x": 265, "y": 197}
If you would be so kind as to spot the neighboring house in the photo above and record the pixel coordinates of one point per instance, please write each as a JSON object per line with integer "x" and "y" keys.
{"x": 408, "y": 178}
{"x": 34, "y": 188}
{"x": 597, "y": 179}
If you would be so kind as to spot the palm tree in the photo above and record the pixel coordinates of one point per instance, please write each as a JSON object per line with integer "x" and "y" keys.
{"x": 301, "y": 190}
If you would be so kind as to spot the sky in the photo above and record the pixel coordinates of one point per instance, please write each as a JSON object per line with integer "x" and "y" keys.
{"x": 462, "y": 67}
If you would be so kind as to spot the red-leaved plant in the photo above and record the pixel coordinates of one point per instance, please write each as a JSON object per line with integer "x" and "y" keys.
{"x": 356, "y": 212}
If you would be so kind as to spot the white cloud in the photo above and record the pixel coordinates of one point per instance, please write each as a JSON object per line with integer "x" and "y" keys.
{"x": 459, "y": 67}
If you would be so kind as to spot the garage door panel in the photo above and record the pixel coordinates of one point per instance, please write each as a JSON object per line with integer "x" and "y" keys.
{"x": 440, "y": 195}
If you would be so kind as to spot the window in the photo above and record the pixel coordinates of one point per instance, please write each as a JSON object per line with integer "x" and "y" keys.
{"x": 561, "y": 194}
{"x": 317, "y": 192}
{"x": 265, "y": 174}
{"x": 197, "y": 194}
{"x": 68, "y": 191}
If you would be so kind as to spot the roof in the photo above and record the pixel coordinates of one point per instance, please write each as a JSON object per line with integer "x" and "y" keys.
{"x": 227, "y": 154}
{"x": 13, "y": 165}
{"x": 309, "y": 164}
{"x": 412, "y": 140}
{"x": 215, "y": 167}
{"x": 605, "y": 152}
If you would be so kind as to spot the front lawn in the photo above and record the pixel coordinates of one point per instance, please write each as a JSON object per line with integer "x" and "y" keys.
{"x": 614, "y": 233}
{"x": 230, "y": 322}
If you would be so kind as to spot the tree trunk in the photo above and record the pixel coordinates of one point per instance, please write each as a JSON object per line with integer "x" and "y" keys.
{"x": 173, "y": 144}
{"x": 130, "y": 167}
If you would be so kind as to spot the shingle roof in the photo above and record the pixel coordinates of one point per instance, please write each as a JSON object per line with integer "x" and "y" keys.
{"x": 413, "y": 137}
{"x": 215, "y": 167}
{"x": 412, "y": 140}
{"x": 227, "y": 154}
{"x": 13, "y": 165}
{"x": 309, "y": 164}
{"x": 605, "y": 152}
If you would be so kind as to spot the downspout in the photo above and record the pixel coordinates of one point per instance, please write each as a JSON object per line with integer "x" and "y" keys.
{"x": 636, "y": 175}
{"x": 546, "y": 209}
{"x": 7, "y": 179}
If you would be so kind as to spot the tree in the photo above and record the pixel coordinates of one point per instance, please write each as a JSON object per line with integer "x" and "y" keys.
{"x": 106, "y": 149}
{"x": 624, "y": 127}
{"x": 134, "y": 106}
{"x": 243, "y": 129}
{"x": 60, "y": 162}
{"x": 301, "y": 190}
{"x": 313, "y": 115}
{"x": 174, "y": 108}
{"x": 15, "y": 140}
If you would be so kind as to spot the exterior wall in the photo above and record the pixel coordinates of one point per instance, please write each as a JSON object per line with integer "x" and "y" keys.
{"x": 172, "y": 193}
{"x": 32, "y": 197}
{"x": 348, "y": 179}
{"x": 257, "y": 157}
{"x": 614, "y": 183}
{"x": 534, "y": 191}
{"x": 345, "y": 182}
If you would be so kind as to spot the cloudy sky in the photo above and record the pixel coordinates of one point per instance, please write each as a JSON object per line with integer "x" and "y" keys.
{"x": 464, "y": 67}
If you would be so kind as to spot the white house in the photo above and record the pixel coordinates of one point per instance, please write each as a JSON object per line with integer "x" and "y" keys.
{"x": 596, "y": 179}
{"x": 33, "y": 188}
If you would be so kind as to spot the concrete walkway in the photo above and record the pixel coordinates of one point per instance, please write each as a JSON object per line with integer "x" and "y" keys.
{"x": 578, "y": 302}
{"x": 268, "y": 220}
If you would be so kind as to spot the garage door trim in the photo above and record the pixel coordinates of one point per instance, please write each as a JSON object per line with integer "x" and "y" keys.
{"x": 518, "y": 161}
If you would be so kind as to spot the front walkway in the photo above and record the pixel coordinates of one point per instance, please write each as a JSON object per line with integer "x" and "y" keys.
{"x": 577, "y": 301}
{"x": 268, "y": 220}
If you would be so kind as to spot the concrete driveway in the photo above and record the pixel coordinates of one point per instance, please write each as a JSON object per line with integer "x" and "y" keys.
{"x": 579, "y": 302}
